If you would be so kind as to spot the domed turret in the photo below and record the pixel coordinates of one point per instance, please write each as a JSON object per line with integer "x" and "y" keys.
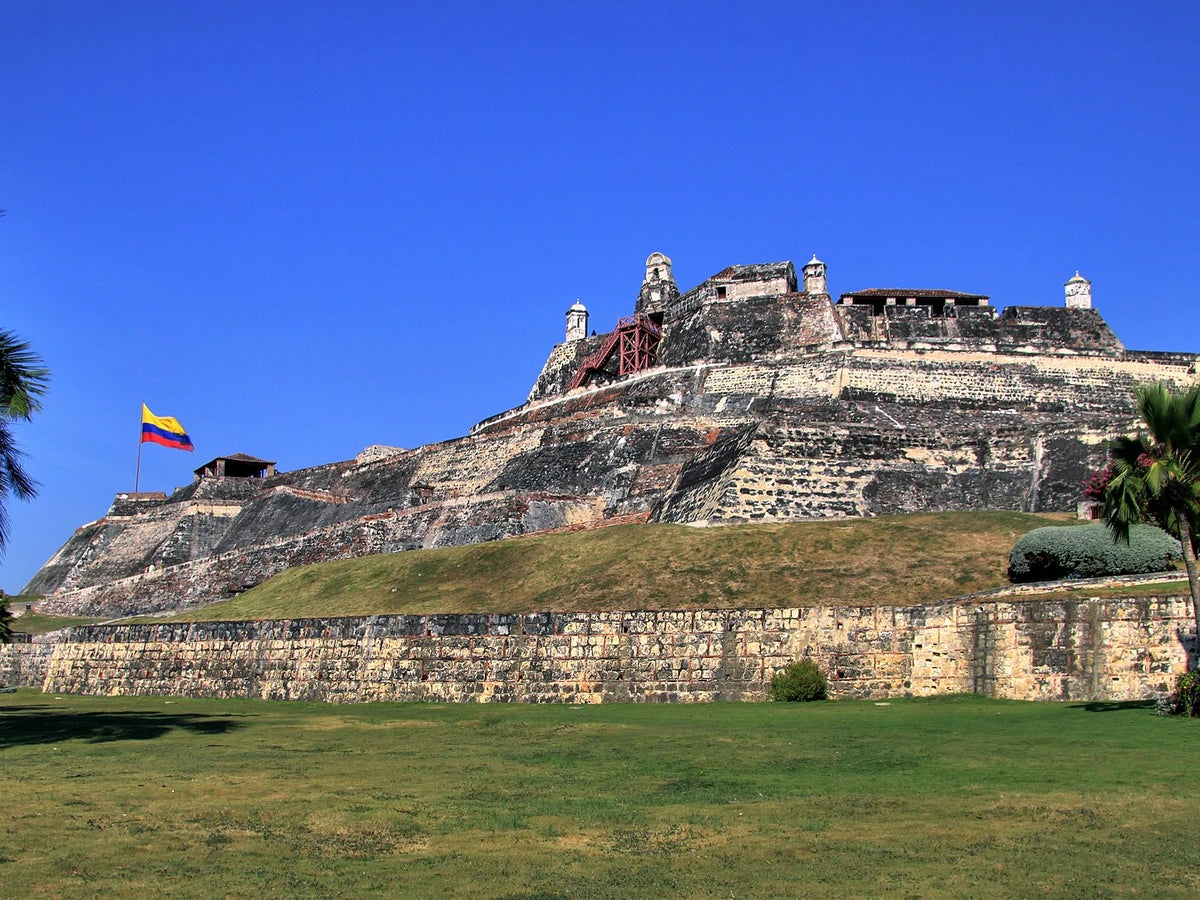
{"x": 814, "y": 277}
{"x": 658, "y": 287}
{"x": 1079, "y": 292}
{"x": 577, "y": 321}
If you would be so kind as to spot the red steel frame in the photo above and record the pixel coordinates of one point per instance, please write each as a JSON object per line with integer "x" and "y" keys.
{"x": 635, "y": 340}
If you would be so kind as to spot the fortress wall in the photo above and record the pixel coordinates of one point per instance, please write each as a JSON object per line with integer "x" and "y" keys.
{"x": 1027, "y": 382}
{"x": 702, "y": 481}
{"x": 1118, "y": 649}
{"x": 979, "y": 379}
{"x": 469, "y": 464}
{"x": 78, "y": 547}
{"x": 560, "y": 366}
{"x": 915, "y": 431}
{"x": 25, "y": 665}
{"x": 122, "y": 547}
{"x": 754, "y": 327}
{"x": 874, "y": 467}
{"x": 1044, "y": 382}
{"x": 815, "y": 377}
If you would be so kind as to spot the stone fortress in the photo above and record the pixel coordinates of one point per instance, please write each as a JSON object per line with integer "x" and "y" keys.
{"x": 755, "y": 396}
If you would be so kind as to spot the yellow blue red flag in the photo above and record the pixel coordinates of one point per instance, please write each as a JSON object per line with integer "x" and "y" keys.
{"x": 164, "y": 430}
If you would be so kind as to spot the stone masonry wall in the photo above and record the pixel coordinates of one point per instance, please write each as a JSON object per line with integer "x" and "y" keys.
{"x": 1094, "y": 649}
{"x": 24, "y": 665}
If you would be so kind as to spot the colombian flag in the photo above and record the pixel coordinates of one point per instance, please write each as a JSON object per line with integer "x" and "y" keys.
{"x": 164, "y": 430}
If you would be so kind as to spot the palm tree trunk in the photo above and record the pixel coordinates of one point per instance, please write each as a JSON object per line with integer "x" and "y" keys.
{"x": 1189, "y": 562}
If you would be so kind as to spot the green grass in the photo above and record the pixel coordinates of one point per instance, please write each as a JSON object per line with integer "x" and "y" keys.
{"x": 37, "y": 623}
{"x": 1069, "y": 591}
{"x": 948, "y": 797}
{"x": 891, "y": 560}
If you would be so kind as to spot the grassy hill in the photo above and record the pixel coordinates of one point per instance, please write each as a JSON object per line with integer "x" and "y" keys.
{"x": 891, "y": 560}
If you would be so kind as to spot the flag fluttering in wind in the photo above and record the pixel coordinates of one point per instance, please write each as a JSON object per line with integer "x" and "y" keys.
{"x": 164, "y": 430}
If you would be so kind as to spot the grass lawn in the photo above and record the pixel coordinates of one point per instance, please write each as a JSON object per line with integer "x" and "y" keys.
{"x": 888, "y": 561}
{"x": 947, "y": 797}
{"x": 37, "y": 623}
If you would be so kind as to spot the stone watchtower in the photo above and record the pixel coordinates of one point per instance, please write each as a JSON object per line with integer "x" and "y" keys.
{"x": 814, "y": 277}
{"x": 658, "y": 287}
{"x": 1079, "y": 292}
{"x": 577, "y": 322}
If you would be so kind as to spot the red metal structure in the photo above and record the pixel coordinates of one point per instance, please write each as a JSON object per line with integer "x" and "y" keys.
{"x": 634, "y": 341}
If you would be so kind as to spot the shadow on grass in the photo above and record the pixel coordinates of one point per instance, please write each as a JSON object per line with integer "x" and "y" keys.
{"x": 21, "y": 725}
{"x": 1113, "y": 705}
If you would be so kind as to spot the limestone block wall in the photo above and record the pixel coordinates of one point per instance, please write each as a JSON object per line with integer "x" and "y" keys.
{"x": 982, "y": 379}
{"x": 703, "y": 480}
{"x": 110, "y": 548}
{"x": 24, "y": 665}
{"x": 1115, "y": 649}
{"x": 754, "y": 327}
{"x": 871, "y": 467}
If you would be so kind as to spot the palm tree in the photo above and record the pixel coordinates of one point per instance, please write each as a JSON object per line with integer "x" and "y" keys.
{"x": 1156, "y": 476}
{"x": 23, "y": 381}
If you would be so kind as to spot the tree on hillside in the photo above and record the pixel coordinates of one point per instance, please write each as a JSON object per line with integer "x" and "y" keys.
{"x": 5, "y": 621}
{"x": 23, "y": 381}
{"x": 1156, "y": 476}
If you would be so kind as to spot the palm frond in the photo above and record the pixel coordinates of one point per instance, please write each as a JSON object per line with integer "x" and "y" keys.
{"x": 1126, "y": 452}
{"x": 23, "y": 377}
{"x": 13, "y": 477}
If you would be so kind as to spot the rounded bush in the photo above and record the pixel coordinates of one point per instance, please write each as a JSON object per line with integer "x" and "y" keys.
{"x": 1089, "y": 551}
{"x": 799, "y": 681}
{"x": 1185, "y": 699}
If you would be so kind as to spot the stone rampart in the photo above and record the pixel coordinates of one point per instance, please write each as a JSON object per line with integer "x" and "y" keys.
{"x": 1082, "y": 649}
{"x": 25, "y": 664}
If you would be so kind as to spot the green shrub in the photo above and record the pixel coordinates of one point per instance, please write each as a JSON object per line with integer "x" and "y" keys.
{"x": 1185, "y": 699}
{"x": 1089, "y": 551}
{"x": 801, "y": 680}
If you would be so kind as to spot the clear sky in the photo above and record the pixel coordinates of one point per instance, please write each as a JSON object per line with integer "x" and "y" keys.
{"x": 303, "y": 228}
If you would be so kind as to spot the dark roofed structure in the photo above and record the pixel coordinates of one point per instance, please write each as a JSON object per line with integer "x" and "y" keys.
{"x": 238, "y": 465}
{"x": 936, "y": 300}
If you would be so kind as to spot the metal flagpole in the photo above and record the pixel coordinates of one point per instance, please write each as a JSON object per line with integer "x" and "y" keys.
{"x": 138, "y": 472}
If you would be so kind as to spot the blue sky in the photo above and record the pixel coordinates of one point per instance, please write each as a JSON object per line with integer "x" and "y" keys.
{"x": 304, "y": 228}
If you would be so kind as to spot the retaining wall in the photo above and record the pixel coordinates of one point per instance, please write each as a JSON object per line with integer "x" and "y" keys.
{"x": 1110, "y": 649}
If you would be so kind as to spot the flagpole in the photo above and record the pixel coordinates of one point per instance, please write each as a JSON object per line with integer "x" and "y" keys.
{"x": 137, "y": 475}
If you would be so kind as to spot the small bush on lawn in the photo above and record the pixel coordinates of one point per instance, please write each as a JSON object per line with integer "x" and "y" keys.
{"x": 1185, "y": 699}
{"x": 1089, "y": 551}
{"x": 801, "y": 680}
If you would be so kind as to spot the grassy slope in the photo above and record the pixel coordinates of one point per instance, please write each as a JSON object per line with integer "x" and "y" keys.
{"x": 36, "y": 623}
{"x": 949, "y": 797}
{"x": 891, "y": 560}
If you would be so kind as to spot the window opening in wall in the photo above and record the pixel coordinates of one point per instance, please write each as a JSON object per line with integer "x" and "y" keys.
{"x": 721, "y": 292}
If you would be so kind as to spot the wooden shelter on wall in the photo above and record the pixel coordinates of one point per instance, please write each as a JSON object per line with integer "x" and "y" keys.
{"x": 239, "y": 465}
